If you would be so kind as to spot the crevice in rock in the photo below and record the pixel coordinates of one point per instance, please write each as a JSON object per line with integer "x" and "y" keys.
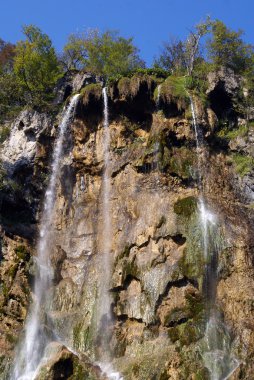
{"x": 179, "y": 239}
{"x": 179, "y": 283}
{"x": 119, "y": 170}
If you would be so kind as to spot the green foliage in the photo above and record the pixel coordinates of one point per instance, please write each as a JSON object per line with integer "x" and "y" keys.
{"x": 226, "y": 48}
{"x": 228, "y": 133}
{"x": 22, "y": 253}
{"x": 243, "y": 164}
{"x": 10, "y": 96}
{"x": 36, "y": 66}
{"x": 174, "y": 89}
{"x": 157, "y": 72}
{"x": 106, "y": 54}
{"x": 182, "y": 162}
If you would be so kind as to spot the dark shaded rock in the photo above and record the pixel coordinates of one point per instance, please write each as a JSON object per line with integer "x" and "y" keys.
{"x": 60, "y": 363}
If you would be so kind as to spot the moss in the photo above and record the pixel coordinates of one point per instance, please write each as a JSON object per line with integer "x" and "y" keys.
{"x": 186, "y": 206}
{"x": 13, "y": 339}
{"x": 80, "y": 372}
{"x": 82, "y": 336}
{"x": 22, "y": 253}
{"x": 129, "y": 87}
{"x": 91, "y": 91}
{"x": 173, "y": 334}
{"x": 182, "y": 162}
{"x": 243, "y": 164}
{"x": 173, "y": 89}
{"x": 124, "y": 86}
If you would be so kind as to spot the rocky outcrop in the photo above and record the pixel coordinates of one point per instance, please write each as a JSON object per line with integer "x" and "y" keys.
{"x": 158, "y": 280}
{"x": 60, "y": 363}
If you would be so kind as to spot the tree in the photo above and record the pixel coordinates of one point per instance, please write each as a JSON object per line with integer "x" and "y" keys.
{"x": 172, "y": 57}
{"x": 35, "y": 65}
{"x": 7, "y": 53}
{"x": 182, "y": 55}
{"x": 107, "y": 53}
{"x": 192, "y": 44}
{"x": 226, "y": 48}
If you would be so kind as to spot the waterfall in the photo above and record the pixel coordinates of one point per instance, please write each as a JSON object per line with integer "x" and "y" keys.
{"x": 158, "y": 98}
{"x": 36, "y": 336}
{"x": 216, "y": 346}
{"x": 104, "y": 312}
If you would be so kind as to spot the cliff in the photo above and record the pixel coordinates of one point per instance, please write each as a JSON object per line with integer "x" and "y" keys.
{"x": 173, "y": 311}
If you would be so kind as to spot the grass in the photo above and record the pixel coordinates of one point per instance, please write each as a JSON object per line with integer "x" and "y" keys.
{"x": 232, "y": 133}
{"x": 243, "y": 164}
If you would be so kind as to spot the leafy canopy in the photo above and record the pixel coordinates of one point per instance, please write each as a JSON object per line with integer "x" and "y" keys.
{"x": 35, "y": 65}
{"x": 107, "y": 53}
{"x": 227, "y": 48}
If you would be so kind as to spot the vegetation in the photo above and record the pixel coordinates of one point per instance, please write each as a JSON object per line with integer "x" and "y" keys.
{"x": 30, "y": 70}
{"x": 227, "y": 48}
{"x": 186, "y": 207}
{"x": 243, "y": 164}
{"x": 106, "y": 54}
{"x": 36, "y": 66}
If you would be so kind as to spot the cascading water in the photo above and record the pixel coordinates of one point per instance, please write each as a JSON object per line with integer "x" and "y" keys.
{"x": 105, "y": 315}
{"x": 36, "y": 336}
{"x": 216, "y": 346}
{"x": 158, "y": 98}
{"x": 106, "y": 220}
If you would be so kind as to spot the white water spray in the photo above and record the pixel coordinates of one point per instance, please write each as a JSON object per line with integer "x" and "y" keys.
{"x": 36, "y": 337}
{"x": 216, "y": 343}
{"x": 158, "y": 98}
{"x": 104, "y": 311}
{"x": 106, "y": 214}
{"x": 105, "y": 314}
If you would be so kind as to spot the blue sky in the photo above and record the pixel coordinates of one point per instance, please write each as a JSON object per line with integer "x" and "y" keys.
{"x": 149, "y": 21}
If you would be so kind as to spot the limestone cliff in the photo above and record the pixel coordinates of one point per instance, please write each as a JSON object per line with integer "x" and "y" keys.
{"x": 159, "y": 287}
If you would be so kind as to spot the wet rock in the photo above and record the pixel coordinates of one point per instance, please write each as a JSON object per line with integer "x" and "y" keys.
{"x": 60, "y": 363}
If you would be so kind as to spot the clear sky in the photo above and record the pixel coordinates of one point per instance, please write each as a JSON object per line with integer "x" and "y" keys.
{"x": 149, "y": 21}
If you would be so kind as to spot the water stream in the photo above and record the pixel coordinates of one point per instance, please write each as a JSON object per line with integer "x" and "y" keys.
{"x": 105, "y": 313}
{"x": 36, "y": 337}
{"x": 216, "y": 345}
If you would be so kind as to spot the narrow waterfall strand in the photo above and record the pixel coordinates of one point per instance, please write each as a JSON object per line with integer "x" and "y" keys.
{"x": 35, "y": 338}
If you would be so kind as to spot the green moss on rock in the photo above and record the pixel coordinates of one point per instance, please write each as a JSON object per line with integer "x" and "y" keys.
{"x": 91, "y": 91}
{"x": 22, "y": 253}
{"x": 186, "y": 206}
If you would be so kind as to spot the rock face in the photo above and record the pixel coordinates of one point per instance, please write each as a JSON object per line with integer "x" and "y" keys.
{"x": 158, "y": 280}
{"x": 60, "y": 363}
